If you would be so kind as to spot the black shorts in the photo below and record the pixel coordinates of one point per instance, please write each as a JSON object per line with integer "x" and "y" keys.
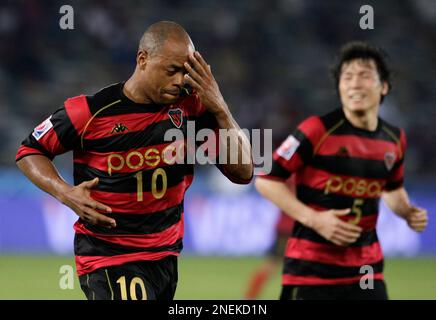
{"x": 335, "y": 292}
{"x": 139, "y": 280}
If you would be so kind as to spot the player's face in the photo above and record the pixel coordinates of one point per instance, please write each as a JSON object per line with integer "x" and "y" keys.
{"x": 164, "y": 76}
{"x": 360, "y": 87}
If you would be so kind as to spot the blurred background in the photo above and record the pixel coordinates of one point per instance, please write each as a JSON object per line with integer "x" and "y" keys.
{"x": 271, "y": 60}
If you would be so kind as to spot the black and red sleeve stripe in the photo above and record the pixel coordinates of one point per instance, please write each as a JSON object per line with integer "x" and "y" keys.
{"x": 64, "y": 135}
{"x": 297, "y": 150}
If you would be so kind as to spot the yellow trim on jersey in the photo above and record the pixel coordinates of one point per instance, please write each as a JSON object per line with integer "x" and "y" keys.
{"x": 337, "y": 125}
{"x": 396, "y": 139}
{"x": 92, "y": 118}
{"x": 87, "y": 282}
{"x": 294, "y": 293}
{"x": 109, "y": 283}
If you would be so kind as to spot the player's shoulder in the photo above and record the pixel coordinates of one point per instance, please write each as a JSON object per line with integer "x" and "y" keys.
{"x": 320, "y": 123}
{"x": 96, "y": 101}
{"x": 314, "y": 127}
{"x": 332, "y": 119}
{"x": 81, "y": 108}
{"x": 104, "y": 97}
{"x": 324, "y": 121}
{"x": 394, "y": 132}
{"x": 310, "y": 124}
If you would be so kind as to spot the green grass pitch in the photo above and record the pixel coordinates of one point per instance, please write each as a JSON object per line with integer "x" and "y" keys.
{"x": 37, "y": 277}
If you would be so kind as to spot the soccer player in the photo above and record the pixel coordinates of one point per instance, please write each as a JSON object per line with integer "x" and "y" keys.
{"x": 128, "y": 187}
{"x": 343, "y": 163}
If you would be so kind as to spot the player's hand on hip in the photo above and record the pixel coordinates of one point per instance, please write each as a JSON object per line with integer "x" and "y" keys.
{"x": 417, "y": 219}
{"x": 201, "y": 79}
{"x": 331, "y": 227}
{"x": 79, "y": 200}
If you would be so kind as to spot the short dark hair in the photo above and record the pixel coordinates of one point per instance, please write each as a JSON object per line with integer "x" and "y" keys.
{"x": 362, "y": 50}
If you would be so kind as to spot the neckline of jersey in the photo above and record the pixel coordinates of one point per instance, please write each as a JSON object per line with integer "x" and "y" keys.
{"x": 129, "y": 101}
{"x": 377, "y": 130}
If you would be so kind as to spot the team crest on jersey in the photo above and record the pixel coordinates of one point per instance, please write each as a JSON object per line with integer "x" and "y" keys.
{"x": 42, "y": 128}
{"x": 390, "y": 158}
{"x": 176, "y": 116}
{"x": 288, "y": 147}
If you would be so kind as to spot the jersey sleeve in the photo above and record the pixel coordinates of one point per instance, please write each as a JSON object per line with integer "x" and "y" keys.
{"x": 396, "y": 178}
{"x": 59, "y": 133}
{"x": 296, "y": 150}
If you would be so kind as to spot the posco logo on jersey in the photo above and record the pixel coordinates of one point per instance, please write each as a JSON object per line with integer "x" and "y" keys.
{"x": 204, "y": 146}
{"x": 150, "y": 157}
{"x": 354, "y": 186}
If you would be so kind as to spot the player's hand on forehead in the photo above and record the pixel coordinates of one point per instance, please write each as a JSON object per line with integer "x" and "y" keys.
{"x": 198, "y": 61}
{"x": 197, "y": 69}
{"x": 201, "y": 79}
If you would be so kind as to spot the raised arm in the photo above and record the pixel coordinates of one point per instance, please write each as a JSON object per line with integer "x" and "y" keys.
{"x": 200, "y": 77}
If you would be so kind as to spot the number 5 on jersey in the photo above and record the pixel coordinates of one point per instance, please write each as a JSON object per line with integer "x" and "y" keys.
{"x": 357, "y": 210}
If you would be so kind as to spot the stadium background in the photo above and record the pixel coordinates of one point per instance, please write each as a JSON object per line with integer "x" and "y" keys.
{"x": 271, "y": 59}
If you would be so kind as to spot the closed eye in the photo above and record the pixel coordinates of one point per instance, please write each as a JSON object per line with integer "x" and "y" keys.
{"x": 173, "y": 69}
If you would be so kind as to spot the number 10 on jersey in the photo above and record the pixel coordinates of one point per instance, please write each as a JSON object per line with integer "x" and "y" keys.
{"x": 160, "y": 174}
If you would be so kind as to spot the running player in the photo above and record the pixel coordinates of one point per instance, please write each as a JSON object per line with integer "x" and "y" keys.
{"x": 343, "y": 163}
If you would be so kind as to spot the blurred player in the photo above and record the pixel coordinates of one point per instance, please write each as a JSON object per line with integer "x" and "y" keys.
{"x": 128, "y": 187}
{"x": 273, "y": 260}
{"x": 343, "y": 163}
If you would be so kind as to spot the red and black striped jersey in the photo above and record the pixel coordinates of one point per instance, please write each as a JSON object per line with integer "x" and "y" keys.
{"x": 122, "y": 143}
{"x": 338, "y": 166}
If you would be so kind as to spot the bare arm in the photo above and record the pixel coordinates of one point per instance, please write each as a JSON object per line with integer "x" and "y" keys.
{"x": 200, "y": 77}
{"x": 398, "y": 201}
{"x": 327, "y": 223}
{"x": 41, "y": 171}
{"x": 242, "y": 166}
